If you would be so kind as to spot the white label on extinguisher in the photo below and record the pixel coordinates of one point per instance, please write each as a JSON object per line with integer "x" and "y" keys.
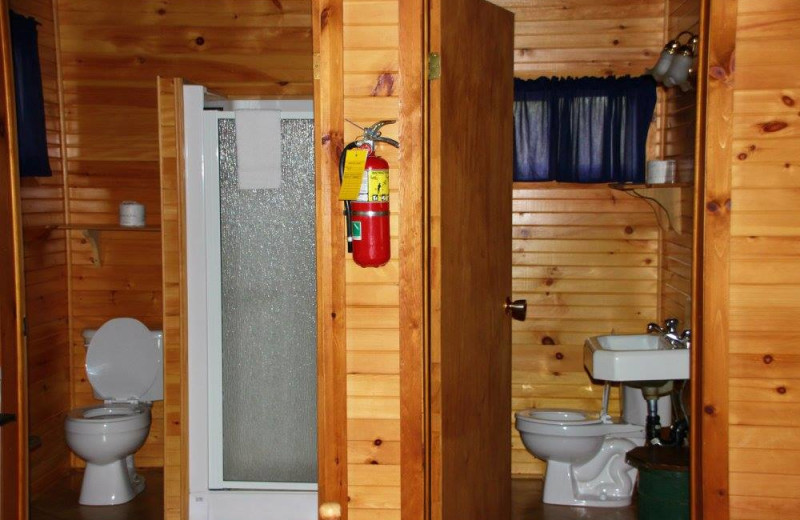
{"x": 356, "y": 230}
{"x": 363, "y": 194}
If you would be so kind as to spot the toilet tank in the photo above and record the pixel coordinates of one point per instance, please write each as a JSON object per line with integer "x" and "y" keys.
{"x": 156, "y": 392}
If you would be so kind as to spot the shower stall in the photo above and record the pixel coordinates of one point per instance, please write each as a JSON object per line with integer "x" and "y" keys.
{"x": 252, "y": 310}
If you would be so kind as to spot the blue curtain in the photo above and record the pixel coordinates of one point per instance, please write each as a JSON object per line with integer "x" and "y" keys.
{"x": 31, "y": 133}
{"x": 582, "y": 130}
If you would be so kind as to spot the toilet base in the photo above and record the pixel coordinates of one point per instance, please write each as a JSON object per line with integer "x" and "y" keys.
{"x": 604, "y": 481}
{"x": 110, "y": 484}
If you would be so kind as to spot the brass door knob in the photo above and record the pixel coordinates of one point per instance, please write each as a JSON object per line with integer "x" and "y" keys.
{"x": 516, "y": 309}
{"x": 330, "y": 511}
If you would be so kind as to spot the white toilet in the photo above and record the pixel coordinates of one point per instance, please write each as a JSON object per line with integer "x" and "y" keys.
{"x": 125, "y": 368}
{"x": 585, "y": 451}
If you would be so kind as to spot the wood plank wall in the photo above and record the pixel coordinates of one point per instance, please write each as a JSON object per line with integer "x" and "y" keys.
{"x": 585, "y": 37}
{"x": 111, "y": 54}
{"x": 585, "y": 257}
{"x": 371, "y": 90}
{"x": 46, "y": 274}
{"x": 679, "y": 129}
{"x": 764, "y": 291}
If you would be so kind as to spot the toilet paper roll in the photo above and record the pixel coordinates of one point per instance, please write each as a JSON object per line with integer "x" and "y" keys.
{"x": 131, "y": 214}
{"x": 660, "y": 172}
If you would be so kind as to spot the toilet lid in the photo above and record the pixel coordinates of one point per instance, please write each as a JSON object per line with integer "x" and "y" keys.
{"x": 122, "y": 360}
{"x": 563, "y": 417}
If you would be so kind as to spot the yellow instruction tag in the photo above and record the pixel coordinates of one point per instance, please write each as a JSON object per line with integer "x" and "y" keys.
{"x": 353, "y": 174}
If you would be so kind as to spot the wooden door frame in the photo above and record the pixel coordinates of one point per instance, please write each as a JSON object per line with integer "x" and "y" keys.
{"x": 175, "y": 314}
{"x": 711, "y": 263}
{"x": 12, "y": 303}
{"x": 414, "y": 263}
{"x": 327, "y": 20}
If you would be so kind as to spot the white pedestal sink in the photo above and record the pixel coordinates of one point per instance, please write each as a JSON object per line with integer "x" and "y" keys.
{"x": 634, "y": 357}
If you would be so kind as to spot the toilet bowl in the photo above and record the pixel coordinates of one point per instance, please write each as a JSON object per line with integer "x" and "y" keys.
{"x": 585, "y": 451}
{"x": 124, "y": 367}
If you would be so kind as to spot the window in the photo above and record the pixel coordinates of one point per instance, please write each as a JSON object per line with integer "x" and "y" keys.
{"x": 591, "y": 130}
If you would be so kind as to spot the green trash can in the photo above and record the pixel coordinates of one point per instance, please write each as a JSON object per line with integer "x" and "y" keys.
{"x": 663, "y": 482}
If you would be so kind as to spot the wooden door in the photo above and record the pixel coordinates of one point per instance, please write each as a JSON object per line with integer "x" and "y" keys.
{"x": 13, "y": 433}
{"x": 471, "y": 150}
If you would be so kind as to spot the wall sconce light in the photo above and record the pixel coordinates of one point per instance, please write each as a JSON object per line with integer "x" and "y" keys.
{"x": 675, "y": 63}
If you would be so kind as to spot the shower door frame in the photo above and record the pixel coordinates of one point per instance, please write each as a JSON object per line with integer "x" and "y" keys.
{"x": 211, "y": 206}
{"x": 204, "y": 502}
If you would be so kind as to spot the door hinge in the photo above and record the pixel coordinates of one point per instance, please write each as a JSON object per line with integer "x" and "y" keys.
{"x": 434, "y": 66}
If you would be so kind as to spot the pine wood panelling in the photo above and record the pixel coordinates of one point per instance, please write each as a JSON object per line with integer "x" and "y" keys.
{"x": 594, "y": 271}
{"x": 46, "y": 277}
{"x": 371, "y": 90}
{"x": 585, "y": 37}
{"x": 764, "y": 295}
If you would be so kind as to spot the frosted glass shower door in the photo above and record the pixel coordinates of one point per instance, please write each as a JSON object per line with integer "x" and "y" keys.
{"x": 262, "y": 316}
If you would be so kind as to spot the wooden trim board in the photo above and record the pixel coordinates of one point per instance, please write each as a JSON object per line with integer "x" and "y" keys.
{"x": 714, "y": 213}
{"x": 327, "y": 24}
{"x": 176, "y": 409}
{"x": 413, "y": 264}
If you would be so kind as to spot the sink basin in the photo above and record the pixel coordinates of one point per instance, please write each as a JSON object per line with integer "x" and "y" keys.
{"x": 634, "y": 357}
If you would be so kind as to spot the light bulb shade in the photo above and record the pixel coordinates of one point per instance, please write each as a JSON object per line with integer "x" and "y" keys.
{"x": 663, "y": 64}
{"x": 678, "y": 71}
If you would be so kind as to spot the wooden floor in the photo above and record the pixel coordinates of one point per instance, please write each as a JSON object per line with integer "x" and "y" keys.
{"x": 60, "y": 502}
{"x": 526, "y": 504}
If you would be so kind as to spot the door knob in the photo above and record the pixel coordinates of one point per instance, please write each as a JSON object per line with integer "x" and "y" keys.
{"x": 516, "y": 309}
{"x": 330, "y": 511}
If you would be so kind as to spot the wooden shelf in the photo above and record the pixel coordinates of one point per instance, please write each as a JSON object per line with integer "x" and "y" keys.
{"x": 631, "y": 186}
{"x": 109, "y": 227}
{"x": 92, "y": 234}
{"x": 670, "y": 201}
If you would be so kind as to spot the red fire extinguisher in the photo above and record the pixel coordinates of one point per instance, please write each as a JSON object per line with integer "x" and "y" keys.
{"x": 368, "y": 215}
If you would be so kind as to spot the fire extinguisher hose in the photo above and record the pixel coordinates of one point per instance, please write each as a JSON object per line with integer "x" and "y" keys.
{"x": 347, "y": 212}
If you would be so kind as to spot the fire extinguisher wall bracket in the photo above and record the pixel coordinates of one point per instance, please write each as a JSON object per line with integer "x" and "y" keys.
{"x": 368, "y": 217}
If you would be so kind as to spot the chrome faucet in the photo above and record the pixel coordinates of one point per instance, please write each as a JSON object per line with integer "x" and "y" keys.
{"x": 670, "y": 333}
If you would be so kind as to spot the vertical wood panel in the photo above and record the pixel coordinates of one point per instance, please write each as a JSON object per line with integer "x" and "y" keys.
{"x": 714, "y": 335}
{"x": 14, "y": 489}
{"x": 332, "y": 428}
{"x": 45, "y": 250}
{"x": 176, "y": 410}
{"x": 413, "y": 266}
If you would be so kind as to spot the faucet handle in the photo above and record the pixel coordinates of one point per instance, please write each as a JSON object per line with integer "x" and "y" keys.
{"x": 654, "y": 327}
{"x": 686, "y": 338}
{"x": 671, "y": 325}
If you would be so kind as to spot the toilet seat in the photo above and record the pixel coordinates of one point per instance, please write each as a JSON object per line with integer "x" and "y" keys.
{"x": 561, "y": 417}
{"x": 122, "y": 360}
{"x": 108, "y": 418}
{"x": 571, "y": 423}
